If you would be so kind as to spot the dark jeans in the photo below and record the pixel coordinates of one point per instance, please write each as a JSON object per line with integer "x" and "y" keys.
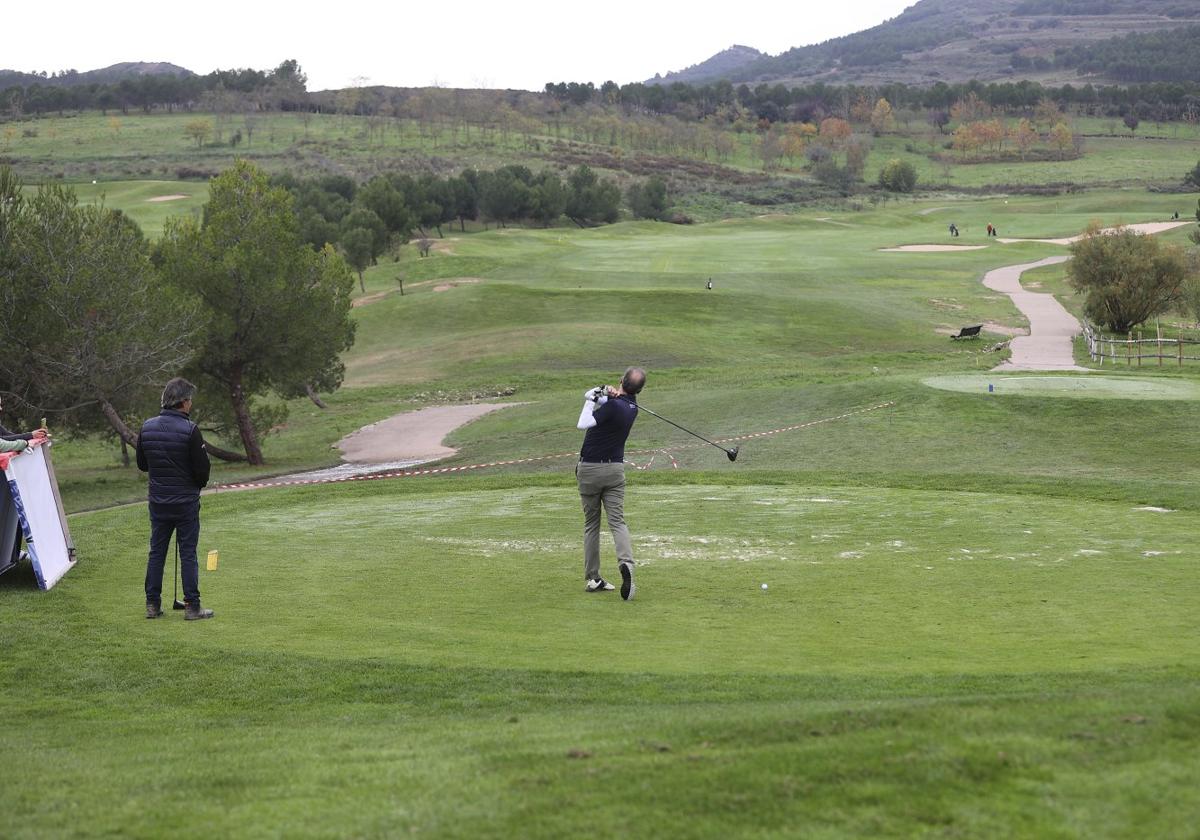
{"x": 184, "y": 521}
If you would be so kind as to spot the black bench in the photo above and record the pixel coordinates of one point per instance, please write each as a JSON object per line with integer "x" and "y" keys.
{"x": 968, "y": 332}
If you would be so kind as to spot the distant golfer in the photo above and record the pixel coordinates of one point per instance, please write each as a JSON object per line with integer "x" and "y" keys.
{"x": 709, "y": 286}
{"x": 171, "y": 448}
{"x": 607, "y": 416}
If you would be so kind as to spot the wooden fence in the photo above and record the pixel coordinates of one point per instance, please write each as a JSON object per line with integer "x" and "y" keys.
{"x": 1132, "y": 349}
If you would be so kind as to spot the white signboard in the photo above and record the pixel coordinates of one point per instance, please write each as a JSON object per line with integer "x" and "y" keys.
{"x": 34, "y": 492}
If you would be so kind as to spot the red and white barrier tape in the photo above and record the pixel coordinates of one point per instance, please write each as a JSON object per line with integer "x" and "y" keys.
{"x": 254, "y": 485}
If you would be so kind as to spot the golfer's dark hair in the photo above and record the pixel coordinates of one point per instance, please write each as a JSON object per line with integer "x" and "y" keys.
{"x": 633, "y": 381}
{"x": 177, "y": 392}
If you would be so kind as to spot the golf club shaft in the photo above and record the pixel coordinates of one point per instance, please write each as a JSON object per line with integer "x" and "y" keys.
{"x": 673, "y": 423}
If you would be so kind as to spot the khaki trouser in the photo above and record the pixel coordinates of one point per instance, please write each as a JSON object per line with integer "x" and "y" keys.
{"x": 602, "y": 484}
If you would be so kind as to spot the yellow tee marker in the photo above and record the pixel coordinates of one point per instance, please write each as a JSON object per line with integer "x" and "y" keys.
{"x": 213, "y": 556}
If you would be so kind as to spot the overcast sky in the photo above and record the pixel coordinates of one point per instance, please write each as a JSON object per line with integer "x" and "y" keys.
{"x": 496, "y": 44}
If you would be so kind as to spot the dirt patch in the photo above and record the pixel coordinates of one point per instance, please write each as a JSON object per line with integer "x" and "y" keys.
{"x": 374, "y": 297}
{"x": 447, "y": 286}
{"x": 413, "y": 435}
{"x": 988, "y": 326}
{"x": 167, "y": 198}
{"x": 443, "y": 283}
{"x": 439, "y": 285}
{"x": 946, "y": 304}
{"x": 1000, "y": 329}
{"x": 934, "y": 248}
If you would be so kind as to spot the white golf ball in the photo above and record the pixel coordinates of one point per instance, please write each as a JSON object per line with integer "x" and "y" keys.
{"x": 764, "y": 586}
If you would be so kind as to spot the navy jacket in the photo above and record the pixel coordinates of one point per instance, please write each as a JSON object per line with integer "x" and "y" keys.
{"x": 605, "y": 442}
{"x": 171, "y": 449}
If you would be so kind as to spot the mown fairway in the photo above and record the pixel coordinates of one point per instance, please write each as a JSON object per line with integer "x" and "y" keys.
{"x": 418, "y": 658}
{"x": 980, "y": 614}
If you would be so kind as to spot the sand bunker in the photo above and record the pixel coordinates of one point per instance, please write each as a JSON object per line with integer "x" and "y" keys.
{"x": 934, "y": 248}
{"x": 1140, "y": 227}
{"x": 168, "y": 197}
{"x": 414, "y": 436}
{"x": 1092, "y": 387}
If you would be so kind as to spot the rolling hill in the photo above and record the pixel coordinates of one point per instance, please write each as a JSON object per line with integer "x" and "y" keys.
{"x": 102, "y": 76}
{"x": 1050, "y": 41}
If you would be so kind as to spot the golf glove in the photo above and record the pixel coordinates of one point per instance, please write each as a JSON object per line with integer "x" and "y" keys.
{"x": 591, "y": 398}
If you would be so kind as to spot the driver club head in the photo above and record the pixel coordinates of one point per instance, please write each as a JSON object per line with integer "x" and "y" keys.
{"x": 732, "y": 453}
{"x": 178, "y": 605}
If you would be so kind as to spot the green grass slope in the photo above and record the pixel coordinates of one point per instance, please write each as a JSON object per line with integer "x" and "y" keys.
{"x": 420, "y": 658}
{"x": 979, "y": 618}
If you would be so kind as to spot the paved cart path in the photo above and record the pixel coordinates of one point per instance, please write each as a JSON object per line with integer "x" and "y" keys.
{"x": 1051, "y": 327}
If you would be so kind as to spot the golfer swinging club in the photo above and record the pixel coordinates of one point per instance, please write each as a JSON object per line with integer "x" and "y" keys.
{"x": 601, "y": 475}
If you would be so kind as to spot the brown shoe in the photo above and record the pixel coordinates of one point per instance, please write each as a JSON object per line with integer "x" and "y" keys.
{"x": 153, "y": 610}
{"x": 193, "y": 612}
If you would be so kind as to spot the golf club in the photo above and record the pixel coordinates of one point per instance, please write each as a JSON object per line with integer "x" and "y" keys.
{"x": 732, "y": 452}
{"x": 178, "y": 605}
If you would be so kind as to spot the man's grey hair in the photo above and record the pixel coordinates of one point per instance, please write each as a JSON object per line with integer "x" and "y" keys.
{"x": 177, "y": 392}
{"x": 633, "y": 380}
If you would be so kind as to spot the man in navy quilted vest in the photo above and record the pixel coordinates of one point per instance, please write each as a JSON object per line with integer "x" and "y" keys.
{"x": 171, "y": 449}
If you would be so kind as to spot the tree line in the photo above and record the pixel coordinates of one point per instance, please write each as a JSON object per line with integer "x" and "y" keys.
{"x": 251, "y": 301}
{"x": 94, "y": 318}
{"x": 367, "y": 220}
{"x": 284, "y": 88}
{"x": 722, "y": 100}
{"x": 1172, "y": 55}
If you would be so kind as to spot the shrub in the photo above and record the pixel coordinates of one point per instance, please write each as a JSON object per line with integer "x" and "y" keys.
{"x": 1126, "y": 276}
{"x": 898, "y": 176}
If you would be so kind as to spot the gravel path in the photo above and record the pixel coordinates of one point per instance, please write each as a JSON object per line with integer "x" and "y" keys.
{"x": 1051, "y": 327}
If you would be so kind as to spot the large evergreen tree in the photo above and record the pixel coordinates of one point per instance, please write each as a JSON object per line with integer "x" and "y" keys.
{"x": 274, "y": 312}
{"x": 87, "y": 329}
